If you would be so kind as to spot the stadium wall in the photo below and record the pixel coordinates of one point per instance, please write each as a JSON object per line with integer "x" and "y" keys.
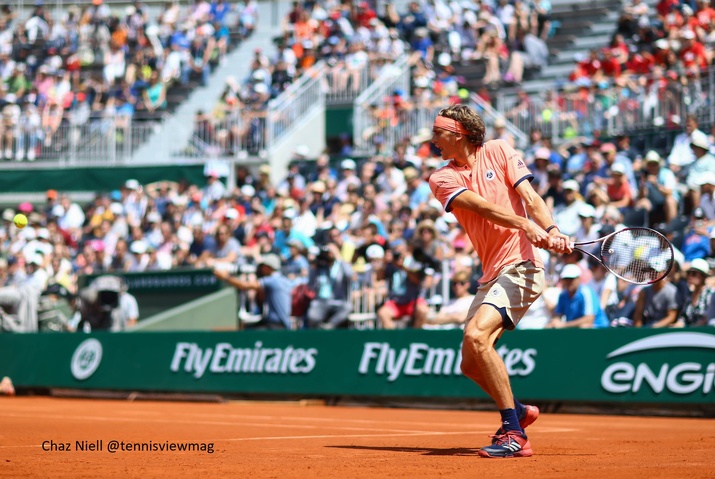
{"x": 67, "y": 179}
{"x": 615, "y": 366}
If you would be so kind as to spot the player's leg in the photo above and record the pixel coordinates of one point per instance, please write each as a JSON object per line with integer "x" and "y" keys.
{"x": 480, "y": 333}
{"x": 526, "y": 414}
{"x": 481, "y": 360}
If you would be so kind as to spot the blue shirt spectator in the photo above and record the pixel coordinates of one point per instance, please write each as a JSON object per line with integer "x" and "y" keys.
{"x": 577, "y": 302}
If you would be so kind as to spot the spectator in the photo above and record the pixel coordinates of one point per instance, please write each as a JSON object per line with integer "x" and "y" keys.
{"x": 226, "y": 252}
{"x": 330, "y": 278}
{"x": 681, "y": 155}
{"x": 698, "y": 310}
{"x": 578, "y": 305}
{"x": 274, "y": 291}
{"x": 404, "y": 277}
{"x": 703, "y": 163}
{"x": 454, "y": 313}
{"x": 566, "y": 215}
{"x": 657, "y": 305}
{"x": 658, "y": 190}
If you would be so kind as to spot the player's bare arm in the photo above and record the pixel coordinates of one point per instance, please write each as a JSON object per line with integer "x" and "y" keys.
{"x": 536, "y": 208}
{"x": 497, "y": 214}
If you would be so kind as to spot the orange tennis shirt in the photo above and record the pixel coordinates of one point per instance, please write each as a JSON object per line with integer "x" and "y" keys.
{"x": 496, "y": 173}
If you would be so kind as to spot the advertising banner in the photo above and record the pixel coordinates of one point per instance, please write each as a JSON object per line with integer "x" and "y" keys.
{"x": 617, "y": 365}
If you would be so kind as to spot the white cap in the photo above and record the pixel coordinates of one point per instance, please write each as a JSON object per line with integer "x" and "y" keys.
{"x": 687, "y": 34}
{"x": 570, "y": 271}
{"x": 290, "y": 214}
{"x": 699, "y": 264}
{"x": 35, "y": 259}
{"x": 184, "y": 235}
{"x": 138, "y": 247}
{"x": 700, "y": 140}
{"x": 131, "y": 185}
{"x": 348, "y": 164}
{"x": 705, "y": 178}
{"x": 375, "y": 252}
{"x": 449, "y": 218}
{"x": 248, "y": 190}
{"x": 116, "y": 209}
{"x": 587, "y": 211}
{"x": 231, "y": 214}
{"x": 43, "y": 233}
{"x": 652, "y": 156}
{"x": 618, "y": 168}
{"x": 571, "y": 185}
{"x": 153, "y": 217}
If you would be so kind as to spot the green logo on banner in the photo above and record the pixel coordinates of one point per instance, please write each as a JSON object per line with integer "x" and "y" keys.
{"x": 86, "y": 359}
{"x": 684, "y": 377}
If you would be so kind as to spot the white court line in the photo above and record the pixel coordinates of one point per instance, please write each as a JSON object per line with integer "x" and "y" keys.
{"x": 328, "y": 436}
{"x": 226, "y": 423}
{"x": 353, "y": 436}
{"x": 213, "y": 423}
{"x": 326, "y": 419}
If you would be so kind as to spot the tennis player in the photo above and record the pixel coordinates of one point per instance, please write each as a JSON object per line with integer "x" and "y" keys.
{"x": 487, "y": 187}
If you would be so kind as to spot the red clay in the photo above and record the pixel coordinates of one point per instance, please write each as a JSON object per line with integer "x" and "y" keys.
{"x": 269, "y": 440}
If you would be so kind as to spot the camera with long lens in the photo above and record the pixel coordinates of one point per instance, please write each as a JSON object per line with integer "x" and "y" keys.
{"x": 324, "y": 256}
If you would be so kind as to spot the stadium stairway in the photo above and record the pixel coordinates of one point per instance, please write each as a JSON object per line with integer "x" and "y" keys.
{"x": 582, "y": 26}
{"x": 174, "y": 134}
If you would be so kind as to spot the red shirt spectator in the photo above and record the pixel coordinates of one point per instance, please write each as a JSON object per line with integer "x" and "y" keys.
{"x": 610, "y": 66}
{"x": 364, "y": 15}
{"x": 641, "y": 63}
{"x": 664, "y": 7}
{"x": 693, "y": 52}
{"x": 705, "y": 14}
{"x": 592, "y": 65}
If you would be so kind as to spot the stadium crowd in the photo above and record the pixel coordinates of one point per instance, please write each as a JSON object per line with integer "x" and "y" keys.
{"x": 93, "y": 68}
{"x": 655, "y": 71}
{"x": 357, "y": 44}
{"x": 367, "y": 237}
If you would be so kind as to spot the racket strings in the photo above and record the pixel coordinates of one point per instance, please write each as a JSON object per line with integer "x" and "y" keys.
{"x": 639, "y": 255}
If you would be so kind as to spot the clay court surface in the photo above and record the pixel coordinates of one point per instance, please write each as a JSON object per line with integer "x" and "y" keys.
{"x": 289, "y": 440}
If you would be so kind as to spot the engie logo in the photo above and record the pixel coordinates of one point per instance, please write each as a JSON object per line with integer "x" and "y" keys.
{"x": 86, "y": 359}
{"x": 677, "y": 377}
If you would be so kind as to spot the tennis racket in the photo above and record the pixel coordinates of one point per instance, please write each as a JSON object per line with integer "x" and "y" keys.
{"x": 636, "y": 255}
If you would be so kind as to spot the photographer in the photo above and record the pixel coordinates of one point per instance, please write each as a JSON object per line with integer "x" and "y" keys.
{"x": 330, "y": 280}
{"x": 404, "y": 276}
{"x": 99, "y": 305}
{"x": 273, "y": 290}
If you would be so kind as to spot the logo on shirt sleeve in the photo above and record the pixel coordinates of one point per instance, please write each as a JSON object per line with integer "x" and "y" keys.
{"x": 489, "y": 175}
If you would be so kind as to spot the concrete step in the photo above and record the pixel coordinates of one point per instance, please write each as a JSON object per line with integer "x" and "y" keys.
{"x": 556, "y": 71}
{"x": 594, "y": 41}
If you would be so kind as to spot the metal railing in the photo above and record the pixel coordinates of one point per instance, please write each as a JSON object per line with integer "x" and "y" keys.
{"x": 297, "y": 102}
{"x": 635, "y": 107}
{"x": 366, "y": 121}
{"x": 342, "y": 86}
{"x": 99, "y": 141}
{"x": 490, "y": 115}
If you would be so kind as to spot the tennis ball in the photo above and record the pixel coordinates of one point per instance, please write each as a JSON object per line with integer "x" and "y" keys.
{"x": 547, "y": 114}
{"x": 20, "y": 220}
